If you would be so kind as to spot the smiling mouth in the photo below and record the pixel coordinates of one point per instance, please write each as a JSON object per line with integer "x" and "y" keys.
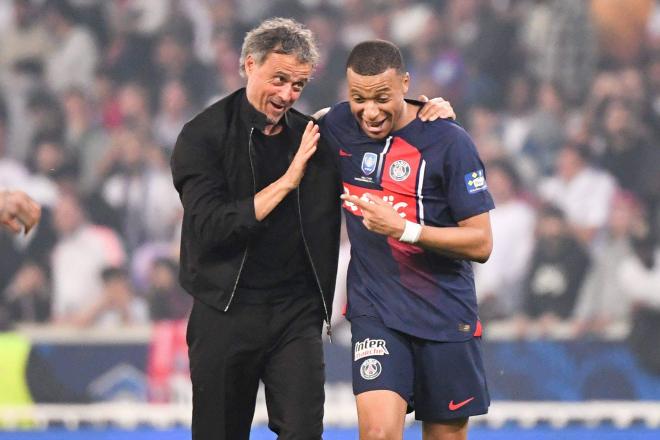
{"x": 374, "y": 126}
{"x": 279, "y": 107}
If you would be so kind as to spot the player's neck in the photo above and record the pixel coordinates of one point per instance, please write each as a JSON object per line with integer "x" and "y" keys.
{"x": 408, "y": 115}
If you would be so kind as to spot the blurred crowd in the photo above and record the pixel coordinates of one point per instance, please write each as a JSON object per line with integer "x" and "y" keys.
{"x": 561, "y": 97}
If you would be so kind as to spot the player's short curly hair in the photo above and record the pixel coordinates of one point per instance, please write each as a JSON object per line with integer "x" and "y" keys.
{"x": 374, "y": 57}
{"x": 279, "y": 35}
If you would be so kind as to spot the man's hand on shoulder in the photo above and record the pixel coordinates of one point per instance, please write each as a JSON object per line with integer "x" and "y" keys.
{"x": 436, "y": 108}
{"x": 320, "y": 113}
{"x": 306, "y": 149}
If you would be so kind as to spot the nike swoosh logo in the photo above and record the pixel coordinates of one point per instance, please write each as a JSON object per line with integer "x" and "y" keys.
{"x": 454, "y": 406}
{"x": 344, "y": 154}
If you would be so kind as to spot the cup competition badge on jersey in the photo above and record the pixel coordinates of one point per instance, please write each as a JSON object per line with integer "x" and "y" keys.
{"x": 369, "y": 161}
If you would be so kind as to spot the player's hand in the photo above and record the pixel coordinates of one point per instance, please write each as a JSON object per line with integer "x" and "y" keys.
{"x": 307, "y": 148}
{"x": 18, "y": 211}
{"x": 377, "y": 215}
{"x": 435, "y": 108}
{"x": 321, "y": 113}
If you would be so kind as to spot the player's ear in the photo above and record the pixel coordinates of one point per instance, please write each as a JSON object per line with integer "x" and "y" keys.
{"x": 405, "y": 82}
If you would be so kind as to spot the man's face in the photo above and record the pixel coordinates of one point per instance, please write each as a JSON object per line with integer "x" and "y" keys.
{"x": 276, "y": 84}
{"x": 377, "y": 101}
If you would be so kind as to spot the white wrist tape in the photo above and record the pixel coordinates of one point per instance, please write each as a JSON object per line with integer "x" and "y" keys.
{"x": 411, "y": 232}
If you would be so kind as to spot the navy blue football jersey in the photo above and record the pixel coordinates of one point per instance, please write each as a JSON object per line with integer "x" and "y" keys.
{"x": 431, "y": 173}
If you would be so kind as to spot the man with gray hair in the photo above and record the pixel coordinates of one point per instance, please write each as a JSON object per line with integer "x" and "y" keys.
{"x": 259, "y": 244}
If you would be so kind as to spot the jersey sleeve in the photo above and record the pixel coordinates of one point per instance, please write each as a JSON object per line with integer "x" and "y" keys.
{"x": 466, "y": 185}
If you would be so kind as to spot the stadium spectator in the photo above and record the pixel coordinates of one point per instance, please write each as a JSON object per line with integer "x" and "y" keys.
{"x": 27, "y": 299}
{"x": 85, "y": 139}
{"x": 546, "y": 130}
{"x": 167, "y": 300}
{"x": 81, "y": 253}
{"x": 75, "y": 56}
{"x": 499, "y": 280}
{"x": 174, "y": 59}
{"x": 13, "y": 173}
{"x": 128, "y": 55}
{"x": 562, "y": 46}
{"x": 516, "y": 123}
{"x": 118, "y": 305}
{"x": 174, "y": 111}
{"x": 581, "y": 191}
{"x": 639, "y": 275}
{"x": 47, "y": 160}
{"x": 557, "y": 268}
{"x": 139, "y": 191}
{"x": 134, "y": 106}
{"x": 330, "y": 72}
{"x": 26, "y": 38}
{"x": 630, "y": 153}
{"x": 602, "y": 300}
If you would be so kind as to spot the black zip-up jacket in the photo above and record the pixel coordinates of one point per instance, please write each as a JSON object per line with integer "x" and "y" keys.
{"x": 213, "y": 171}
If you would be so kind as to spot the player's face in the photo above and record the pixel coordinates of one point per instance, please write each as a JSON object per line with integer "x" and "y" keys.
{"x": 275, "y": 85}
{"x": 377, "y": 101}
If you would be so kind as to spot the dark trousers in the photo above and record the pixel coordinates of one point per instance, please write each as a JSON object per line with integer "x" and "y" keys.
{"x": 278, "y": 343}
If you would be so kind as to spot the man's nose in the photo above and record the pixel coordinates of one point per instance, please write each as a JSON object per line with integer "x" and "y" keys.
{"x": 286, "y": 93}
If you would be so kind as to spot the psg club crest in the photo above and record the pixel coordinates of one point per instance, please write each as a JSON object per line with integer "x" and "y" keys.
{"x": 399, "y": 170}
{"x": 370, "y": 369}
{"x": 369, "y": 162}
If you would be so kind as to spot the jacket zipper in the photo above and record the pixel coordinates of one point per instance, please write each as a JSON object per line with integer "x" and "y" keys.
{"x": 254, "y": 191}
{"x": 328, "y": 327}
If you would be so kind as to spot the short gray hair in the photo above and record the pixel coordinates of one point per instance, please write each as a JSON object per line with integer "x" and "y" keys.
{"x": 279, "y": 35}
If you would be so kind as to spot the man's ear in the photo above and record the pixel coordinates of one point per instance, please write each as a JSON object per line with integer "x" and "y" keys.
{"x": 250, "y": 63}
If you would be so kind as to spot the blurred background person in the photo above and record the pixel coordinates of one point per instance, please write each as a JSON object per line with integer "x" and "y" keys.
{"x": 639, "y": 275}
{"x": 75, "y": 55}
{"x": 499, "y": 281}
{"x": 117, "y": 304}
{"x": 602, "y": 301}
{"x": 556, "y": 272}
{"x": 138, "y": 190}
{"x": 167, "y": 300}
{"x": 82, "y": 251}
{"x": 581, "y": 191}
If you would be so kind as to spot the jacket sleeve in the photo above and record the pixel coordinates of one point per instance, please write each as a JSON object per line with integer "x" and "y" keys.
{"x": 212, "y": 216}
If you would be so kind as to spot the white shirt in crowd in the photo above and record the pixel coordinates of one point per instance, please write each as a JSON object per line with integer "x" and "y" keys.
{"x": 640, "y": 283}
{"x": 73, "y": 61}
{"x": 513, "y": 225}
{"x": 585, "y": 199}
{"x": 78, "y": 260}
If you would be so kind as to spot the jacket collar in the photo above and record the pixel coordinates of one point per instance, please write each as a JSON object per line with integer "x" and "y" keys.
{"x": 254, "y": 117}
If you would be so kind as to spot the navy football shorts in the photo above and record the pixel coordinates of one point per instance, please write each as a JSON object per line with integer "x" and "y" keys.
{"x": 439, "y": 380}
